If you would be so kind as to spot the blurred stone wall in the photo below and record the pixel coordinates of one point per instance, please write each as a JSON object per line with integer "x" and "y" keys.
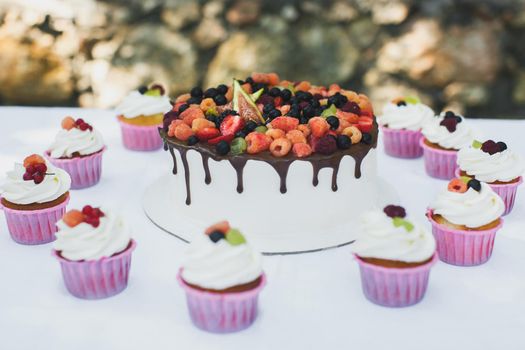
{"x": 469, "y": 55}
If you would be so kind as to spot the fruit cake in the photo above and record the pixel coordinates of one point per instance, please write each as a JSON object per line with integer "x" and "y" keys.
{"x": 287, "y": 160}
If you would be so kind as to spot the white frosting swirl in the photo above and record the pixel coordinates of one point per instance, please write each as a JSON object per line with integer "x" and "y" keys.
{"x": 16, "y": 190}
{"x": 380, "y": 239}
{"x": 411, "y": 116}
{"x": 439, "y": 134}
{"x": 85, "y": 242}
{"x": 220, "y": 265}
{"x": 74, "y": 140}
{"x": 137, "y": 104}
{"x": 501, "y": 166}
{"x": 471, "y": 208}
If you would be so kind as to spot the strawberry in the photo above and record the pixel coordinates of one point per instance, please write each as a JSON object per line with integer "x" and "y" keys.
{"x": 301, "y": 150}
{"x": 285, "y": 123}
{"x": 319, "y": 126}
{"x": 257, "y": 142}
{"x": 207, "y": 133}
{"x": 365, "y": 106}
{"x": 201, "y": 123}
{"x": 216, "y": 140}
{"x": 190, "y": 114}
{"x": 365, "y": 124}
{"x": 232, "y": 124}
{"x": 347, "y": 116}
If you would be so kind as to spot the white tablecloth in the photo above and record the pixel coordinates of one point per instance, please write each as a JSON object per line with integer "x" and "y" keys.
{"x": 312, "y": 301}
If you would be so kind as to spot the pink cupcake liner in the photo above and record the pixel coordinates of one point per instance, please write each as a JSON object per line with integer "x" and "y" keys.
{"x": 439, "y": 163}
{"x": 141, "y": 138}
{"x": 507, "y": 192}
{"x": 97, "y": 279}
{"x": 463, "y": 248}
{"x": 33, "y": 227}
{"x": 84, "y": 171}
{"x": 402, "y": 143}
{"x": 222, "y": 313}
{"x": 394, "y": 287}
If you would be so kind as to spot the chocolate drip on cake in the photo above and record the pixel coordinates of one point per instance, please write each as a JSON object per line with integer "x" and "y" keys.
{"x": 172, "y": 152}
{"x": 281, "y": 165}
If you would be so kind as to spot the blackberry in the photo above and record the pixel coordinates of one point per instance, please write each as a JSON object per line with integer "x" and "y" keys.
{"x": 268, "y": 107}
{"x": 286, "y": 94}
{"x": 274, "y": 92}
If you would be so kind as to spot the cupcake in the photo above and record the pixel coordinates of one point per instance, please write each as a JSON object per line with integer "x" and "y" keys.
{"x": 222, "y": 277}
{"x": 94, "y": 249}
{"x": 140, "y": 115}
{"x": 78, "y": 149}
{"x": 394, "y": 256}
{"x": 401, "y": 124}
{"x": 442, "y": 137}
{"x": 34, "y": 197}
{"x": 464, "y": 221}
{"x": 493, "y": 163}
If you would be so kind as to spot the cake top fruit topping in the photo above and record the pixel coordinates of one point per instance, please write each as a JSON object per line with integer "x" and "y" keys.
{"x": 450, "y": 121}
{"x": 222, "y": 230}
{"x": 36, "y": 169}
{"x": 403, "y": 101}
{"x": 398, "y": 214}
{"x": 463, "y": 183}
{"x": 69, "y": 123}
{"x": 152, "y": 90}
{"x": 491, "y": 147}
{"x": 263, "y": 110}
{"x": 89, "y": 215}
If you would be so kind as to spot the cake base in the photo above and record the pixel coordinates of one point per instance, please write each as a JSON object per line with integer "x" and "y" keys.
{"x": 161, "y": 210}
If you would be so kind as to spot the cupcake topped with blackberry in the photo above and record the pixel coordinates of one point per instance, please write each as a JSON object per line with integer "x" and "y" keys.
{"x": 448, "y": 131}
{"x": 76, "y": 138}
{"x": 389, "y": 239}
{"x": 405, "y": 113}
{"x": 144, "y": 106}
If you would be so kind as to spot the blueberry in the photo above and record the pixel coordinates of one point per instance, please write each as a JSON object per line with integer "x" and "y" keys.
{"x": 274, "y": 92}
{"x": 250, "y": 126}
{"x": 268, "y": 108}
{"x": 196, "y": 92}
{"x": 274, "y": 114}
{"x": 216, "y": 236}
{"x": 241, "y": 133}
{"x": 222, "y": 89}
{"x": 502, "y": 146}
{"x": 211, "y": 118}
{"x": 248, "y": 80}
{"x": 194, "y": 101}
{"x": 220, "y": 100}
{"x": 222, "y": 148}
{"x": 183, "y": 107}
{"x": 333, "y": 121}
{"x": 458, "y": 119}
{"x": 343, "y": 142}
{"x": 192, "y": 140}
{"x": 258, "y": 86}
{"x": 366, "y": 138}
{"x": 211, "y": 92}
{"x": 474, "y": 184}
{"x": 449, "y": 114}
{"x": 142, "y": 89}
{"x": 401, "y": 103}
{"x": 286, "y": 94}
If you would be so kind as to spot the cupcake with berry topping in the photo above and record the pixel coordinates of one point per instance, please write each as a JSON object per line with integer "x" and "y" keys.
{"x": 465, "y": 219}
{"x": 492, "y": 162}
{"x": 222, "y": 277}
{"x": 401, "y": 123}
{"x": 78, "y": 149}
{"x": 140, "y": 115}
{"x": 94, "y": 249}
{"x": 394, "y": 255}
{"x": 34, "y": 197}
{"x": 442, "y": 137}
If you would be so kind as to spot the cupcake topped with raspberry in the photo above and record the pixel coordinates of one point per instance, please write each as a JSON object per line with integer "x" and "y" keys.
{"x": 405, "y": 113}
{"x": 448, "y": 131}
{"x": 467, "y": 204}
{"x": 144, "y": 106}
{"x": 389, "y": 239}
{"x": 91, "y": 234}
{"x": 491, "y": 162}
{"x": 221, "y": 261}
{"x": 35, "y": 184}
{"x": 77, "y": 138}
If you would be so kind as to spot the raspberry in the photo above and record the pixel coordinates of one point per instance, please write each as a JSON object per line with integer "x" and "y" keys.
{"x": 319, "y": 126}
{"x": 87, "y": 210}
{"x": 275, "y": 133}
{"x": 394, "y": 211}
{"x": 206, "y": 104}
{"x": 296, "y": 136}
{"x": 40, "y": 168}
{"x": 305, "y": 129}
{"x": 191, "y": 114}
{"x": 92, "y": 220}
{"x": 325, "y": 145}
{"x": 280, "y": 147}
{"x": 38, "y": 178}
{"x": 302, "y": 150}
{"x": 257, "y": 142}
{"x": 449, "y": 123}
{"x": 183, "y": 132}
{"x": 27, "y": 176}
{"x": 173, "y": 125}
{"x": 457, "y": 185}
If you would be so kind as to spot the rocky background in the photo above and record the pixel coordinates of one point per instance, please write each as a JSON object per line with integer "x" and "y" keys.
{"x": 467, "y": 55}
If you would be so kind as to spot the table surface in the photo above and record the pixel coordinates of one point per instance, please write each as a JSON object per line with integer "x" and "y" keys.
{"x": 312, "y": 301}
